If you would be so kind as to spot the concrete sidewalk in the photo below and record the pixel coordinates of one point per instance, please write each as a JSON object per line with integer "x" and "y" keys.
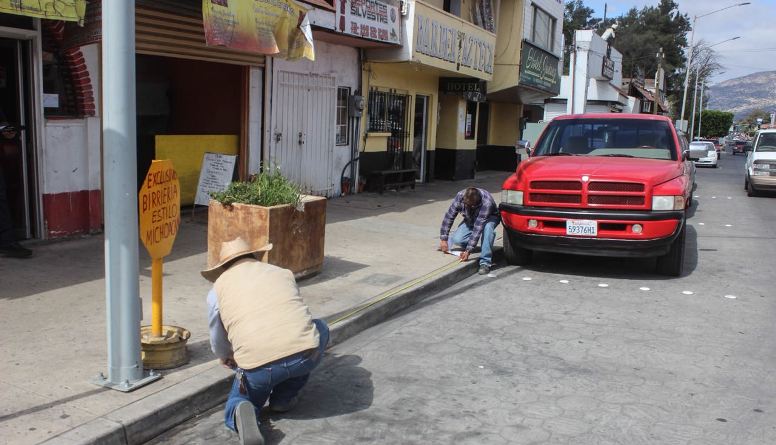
{"x": 379, "y": 249}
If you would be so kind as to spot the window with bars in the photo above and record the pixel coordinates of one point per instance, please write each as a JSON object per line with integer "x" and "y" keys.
{"x": 388, "y": 112}
{"x": 343, "y": 126}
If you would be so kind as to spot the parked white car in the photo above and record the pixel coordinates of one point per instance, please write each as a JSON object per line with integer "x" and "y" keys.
{"x": 710, "y": 158}
{"x": 761, "y": 163}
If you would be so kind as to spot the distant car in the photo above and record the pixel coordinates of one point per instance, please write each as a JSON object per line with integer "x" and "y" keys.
{"x": 738, "y": 147}
{"x": 709, "y": 159}
{"x": 761, "y": 163}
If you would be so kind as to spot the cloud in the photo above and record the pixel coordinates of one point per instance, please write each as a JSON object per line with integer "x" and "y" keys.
{"x": 753, "y": 23}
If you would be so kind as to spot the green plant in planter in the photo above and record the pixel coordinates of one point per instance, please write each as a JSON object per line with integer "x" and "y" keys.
{"x": 268, "y": 188}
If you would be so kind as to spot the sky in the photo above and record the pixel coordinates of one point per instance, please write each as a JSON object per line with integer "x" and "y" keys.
{"x": 753, "y": 52}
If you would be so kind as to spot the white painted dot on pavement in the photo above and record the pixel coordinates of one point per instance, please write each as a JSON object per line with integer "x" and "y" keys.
{"x": 728, "y": 225}
{"x": 491, "y": 275}
{"x": 481, "y": 367}
{"x": 732, "y": 297}
{"x": 697, "y": 196}
{"x": 701, "y": 224}
{"x": 564, "y": 281}
{"x": 644, "y": 288}
{"x": 713, "y": 197}
{"x": 526, "y": 278}
{"x": 603, "y": 285}
{"x": 688, "y": 292}
{"x": 729, "y": 197}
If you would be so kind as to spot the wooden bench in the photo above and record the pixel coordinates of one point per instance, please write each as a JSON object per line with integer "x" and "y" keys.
{"x": 382, "y": 180}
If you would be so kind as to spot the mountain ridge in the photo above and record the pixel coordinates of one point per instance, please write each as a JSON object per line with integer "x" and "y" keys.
{"x": 744, "y": 94}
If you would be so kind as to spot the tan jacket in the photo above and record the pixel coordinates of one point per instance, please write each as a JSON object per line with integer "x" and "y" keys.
{"x": 263, "y": 314}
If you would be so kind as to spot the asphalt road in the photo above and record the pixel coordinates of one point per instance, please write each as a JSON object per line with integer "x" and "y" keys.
{"x": 571, "y": 350}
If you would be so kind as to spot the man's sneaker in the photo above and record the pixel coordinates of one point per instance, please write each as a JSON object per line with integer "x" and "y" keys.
{"x": 15, "y": 250}
{"x": 284, "y": 407}
{"x": 247, "y": 425}
{"x": 484, "y": 269}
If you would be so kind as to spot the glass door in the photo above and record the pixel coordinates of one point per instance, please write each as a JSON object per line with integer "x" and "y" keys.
{"x": 420, "y": 137}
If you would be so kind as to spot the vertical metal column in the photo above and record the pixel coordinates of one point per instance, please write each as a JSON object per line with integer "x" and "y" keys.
{"x": 125, "y": 369}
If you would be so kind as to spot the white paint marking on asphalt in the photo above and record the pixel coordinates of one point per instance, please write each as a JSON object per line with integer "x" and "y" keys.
{"x": 491, "y": 275}
{"x": 481, "y": 367}
{"x": 729, "y": 197}
{"x": 644, "y": 288}
{"x": 697, "y": 196}
{"x": 688, "y": 292}
{"x": 732, "y": 297}
{"x": 564, "y": 281}
{"x": 526, "y": 278}
{"x": 701, "y": 224}
{"x": 603, "y": 285}
{"x": 713, "y": 197}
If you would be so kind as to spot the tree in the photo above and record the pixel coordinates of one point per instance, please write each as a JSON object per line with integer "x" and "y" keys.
{"x": 575, "y": 16}
{"x": 641, "y": 34}
{"x": 715, "y": 123}
{"x": 750, "y": 121}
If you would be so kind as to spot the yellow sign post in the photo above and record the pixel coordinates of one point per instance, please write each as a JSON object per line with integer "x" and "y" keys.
{"x": 159, "y": 204}
{"x": 159, "y": 201}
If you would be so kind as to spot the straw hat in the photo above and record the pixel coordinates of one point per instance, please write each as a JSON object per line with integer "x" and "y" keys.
{"x": 230, "y": 251}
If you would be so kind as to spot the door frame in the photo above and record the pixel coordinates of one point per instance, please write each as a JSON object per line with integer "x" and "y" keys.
{"x": 34, "y": 119}
{"x": 424, "y": 144}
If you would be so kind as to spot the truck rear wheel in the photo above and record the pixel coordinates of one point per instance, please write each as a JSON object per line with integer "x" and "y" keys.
{"x": 672, "y": 263}
{"x": 515, "y": 254}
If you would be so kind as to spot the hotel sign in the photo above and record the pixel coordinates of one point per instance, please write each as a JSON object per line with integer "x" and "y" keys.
{"x": 447, "y": 42}
{"x": 378, "y": 20}
{"x": 539, "y": 69}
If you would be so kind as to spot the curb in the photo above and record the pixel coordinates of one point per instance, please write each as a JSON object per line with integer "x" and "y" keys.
{"x": 149, "y": 417}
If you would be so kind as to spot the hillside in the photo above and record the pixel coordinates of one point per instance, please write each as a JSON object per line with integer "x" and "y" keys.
{"x": 744, "y": 94}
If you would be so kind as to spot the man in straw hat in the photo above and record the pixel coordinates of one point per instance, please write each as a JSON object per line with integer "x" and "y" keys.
{"x": 261, "y": 328}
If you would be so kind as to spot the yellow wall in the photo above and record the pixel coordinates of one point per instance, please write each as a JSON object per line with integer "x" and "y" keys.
{"x": 504, "y": 123}
{"x": 186, "y": 153}
{"x": 452, "y": 121}
{"x": 509, "y": 34}
{"x": 406, "y": 78}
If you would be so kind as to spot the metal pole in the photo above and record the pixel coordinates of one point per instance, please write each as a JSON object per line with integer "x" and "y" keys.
{"x": 689, "y": 67}
{"x": 694, "y": 99}
{"x": 700, "y": 113}
{"x": 125, "y": 370}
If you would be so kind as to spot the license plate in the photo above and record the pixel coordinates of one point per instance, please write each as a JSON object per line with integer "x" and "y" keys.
{"x": 581, "y": 227}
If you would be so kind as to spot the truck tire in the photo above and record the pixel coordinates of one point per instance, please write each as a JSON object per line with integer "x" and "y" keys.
{"x": 672, "y": 263}
{"x": 514, "y": 254}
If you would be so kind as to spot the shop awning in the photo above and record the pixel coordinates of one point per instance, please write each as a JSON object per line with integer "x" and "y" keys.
{"x": 68, "y": 10}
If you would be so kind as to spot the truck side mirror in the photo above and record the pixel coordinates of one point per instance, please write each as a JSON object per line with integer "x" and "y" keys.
{"x": 524, "y": 145}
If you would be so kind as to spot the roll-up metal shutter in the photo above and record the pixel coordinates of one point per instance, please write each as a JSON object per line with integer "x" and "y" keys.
{"x": 164, "y": 33}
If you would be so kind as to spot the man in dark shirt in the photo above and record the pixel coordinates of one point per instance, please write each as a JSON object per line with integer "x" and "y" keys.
{"x": 480, "y": 218}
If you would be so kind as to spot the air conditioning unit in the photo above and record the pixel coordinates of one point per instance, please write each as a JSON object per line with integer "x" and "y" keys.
{"x": 356, "y": 106}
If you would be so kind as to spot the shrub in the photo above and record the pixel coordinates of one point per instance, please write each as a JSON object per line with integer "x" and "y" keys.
{"x": 268, "y": 188}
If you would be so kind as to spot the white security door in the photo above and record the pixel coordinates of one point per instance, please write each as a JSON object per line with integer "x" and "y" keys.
{"x": 303, "y": 125}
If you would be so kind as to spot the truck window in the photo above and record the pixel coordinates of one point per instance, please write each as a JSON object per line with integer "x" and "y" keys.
{"x": 608, "y": 137}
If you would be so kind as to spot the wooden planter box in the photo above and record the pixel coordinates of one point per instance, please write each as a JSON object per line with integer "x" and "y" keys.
{"x": 297, "y": 236}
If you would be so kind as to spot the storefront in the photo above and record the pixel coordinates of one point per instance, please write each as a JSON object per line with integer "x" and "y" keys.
{"x": 423, "y": 104}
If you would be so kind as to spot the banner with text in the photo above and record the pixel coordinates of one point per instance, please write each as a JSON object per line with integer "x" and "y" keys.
{"x": 370, "y": 19}
{"x": 275, "y": 27}
{"x": 452, "y": 44}
{"x": 68, "y": 10}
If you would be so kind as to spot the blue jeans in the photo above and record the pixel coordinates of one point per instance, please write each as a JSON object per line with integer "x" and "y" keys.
{"x": 279, "y": 381}
{"x": 463, "y": 234}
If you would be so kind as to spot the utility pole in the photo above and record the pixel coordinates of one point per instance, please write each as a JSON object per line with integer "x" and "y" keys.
{"x": 700, "y": 113}
{"x": 122, "y": 298}
{"x": 658, "y": 79}
{"x": 694, "y": 103}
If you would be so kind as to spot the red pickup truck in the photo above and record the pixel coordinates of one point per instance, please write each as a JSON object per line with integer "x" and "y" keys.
{"x": 601, "y": 184}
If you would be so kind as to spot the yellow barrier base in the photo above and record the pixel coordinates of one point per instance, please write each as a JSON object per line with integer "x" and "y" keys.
{"x": 166, "y": 351}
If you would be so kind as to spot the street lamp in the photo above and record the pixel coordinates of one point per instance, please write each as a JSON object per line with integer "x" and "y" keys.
{"x": 690, "y": 51}
{"x": 695, "y": 93}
